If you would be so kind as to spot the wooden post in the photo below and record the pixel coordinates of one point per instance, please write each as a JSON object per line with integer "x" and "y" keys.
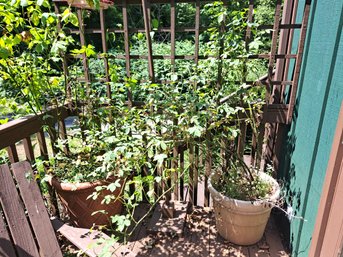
{"x": 148, "y": 40}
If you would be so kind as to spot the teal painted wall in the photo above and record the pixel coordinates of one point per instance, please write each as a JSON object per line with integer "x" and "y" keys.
{"x": 310, "y": 135}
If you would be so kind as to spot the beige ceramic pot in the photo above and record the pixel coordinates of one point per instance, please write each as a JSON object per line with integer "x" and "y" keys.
{"x": 74, "y": 199}
{"x": 242, "y": 222}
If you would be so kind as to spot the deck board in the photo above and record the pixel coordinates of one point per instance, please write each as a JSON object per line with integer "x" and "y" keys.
{"x": 201, "y": 240}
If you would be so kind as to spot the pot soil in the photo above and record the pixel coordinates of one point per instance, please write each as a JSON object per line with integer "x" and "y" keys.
{"x": 242, "y": 222}
{"x": 74, "y": 199}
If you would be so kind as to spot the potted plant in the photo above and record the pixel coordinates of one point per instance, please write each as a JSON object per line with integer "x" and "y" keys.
{"x": 81, "y": 181}
{"x": 243, "y": 196}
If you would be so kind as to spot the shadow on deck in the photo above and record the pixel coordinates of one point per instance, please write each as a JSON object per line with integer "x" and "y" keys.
{"x": 201, "y": 239}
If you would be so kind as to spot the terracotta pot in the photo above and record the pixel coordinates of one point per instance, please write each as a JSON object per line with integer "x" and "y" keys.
{"x": 242, "y": 222}
{"x": 74, "y": 199}
{"x": 104, "y": 4}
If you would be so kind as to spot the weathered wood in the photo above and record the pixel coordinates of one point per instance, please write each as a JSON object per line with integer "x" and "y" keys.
{"x": 63, "y": 134}
{"x": 172, "y": 33}
{"x": 197, "y": 32}
{"x": 175, "y": 170}
{"x": 83, "y": 43}
{"x": 16, "y": 130}
{"x": 104, "y": 50}
{"x": 91, "y": 242}
{"x": 275, "y": 113}
{"x": 241, "y": 138}
{"x": 12, "y": 153}
{"x": 196, "y": 174}
{"x": 127, "y": 49}
{"x": 173, "y": 226}
{"x": 273, "y": 49}
{"x": 182, "y": 168}
{"x": 42, "y": 144}
{"x": 298, "y": 61}
{"x": 39, "y": 218}
{"x": 191, "y": 173}
{"x": 208, "y": 167}
{"x": 14, "y": 212}
{"x": 28, "y": 149}
{"x": 6, "y": 245}
{"x": 148, "y": 40}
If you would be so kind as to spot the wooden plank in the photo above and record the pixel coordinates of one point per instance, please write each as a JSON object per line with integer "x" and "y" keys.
{"x": 6, "y": 245}
{"x": 273, "y": 49}
{"x": 39, "y": 218}
{"x": 168, "y": 226}
{"x": 298, "y": 61}
{"x": 16, "y": 130}
{"x": 174, "y": 166}
{"x": 283, "y": 42}
{"x": 197, "y": 31}
{"x": 208, "y": 167}
{"x": 196, "y": 173}
{"x": 148, "y": 40}
{"x": 293, "y": 25}
{"x": 15, "y": 215}
{"x": 275, "y": 113}
{"x": 182, "y": 168}
{"x": 28, "y": 149}
{"x": 273, "y": 240}
{"x": 290, "y": 44}
{"x": 127, "y": 49}
{"x": 104, "y": 50}
{"x": 139, "y": 242}
{"x": 172, "y": 33}
{"x": 42, "y": 144}
{"x": 12, "y": 153}
{"x": 91, "y": 242}
{"x": 323, "y": 235}
{"x": 241, "y": 138}
{"x": 191, "y": 173}
{"x": 63, "y": 134}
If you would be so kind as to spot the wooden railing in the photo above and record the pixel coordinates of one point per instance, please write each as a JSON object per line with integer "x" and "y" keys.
{"x": 193, "y": 162}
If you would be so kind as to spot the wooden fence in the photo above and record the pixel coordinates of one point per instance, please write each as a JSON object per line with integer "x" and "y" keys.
{"x": 276, "y": 113}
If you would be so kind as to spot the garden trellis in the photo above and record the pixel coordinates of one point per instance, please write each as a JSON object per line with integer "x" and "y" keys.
{"x": 277, "y": 111}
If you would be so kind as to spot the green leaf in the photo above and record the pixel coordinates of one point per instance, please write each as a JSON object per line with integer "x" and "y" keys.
{"x": 23, "y": 3}
{"x": 155, "y": 23}
{"x": 195, "y": 131}
{"x": 40, "y": 2}
{"x": 160, "y": 158}
{"x": 4, "y": 53}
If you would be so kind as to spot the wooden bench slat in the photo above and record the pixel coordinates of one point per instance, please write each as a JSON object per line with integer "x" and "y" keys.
{"x": 6, "y": 245}
{"x": 39, "y": 218}
{"x": 15, "y": 216}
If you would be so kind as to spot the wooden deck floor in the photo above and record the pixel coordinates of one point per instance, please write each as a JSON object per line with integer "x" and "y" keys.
{"x": 201, "y": 239}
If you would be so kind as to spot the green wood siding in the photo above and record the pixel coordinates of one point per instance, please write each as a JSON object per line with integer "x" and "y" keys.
{"x": 311, "y": 133}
